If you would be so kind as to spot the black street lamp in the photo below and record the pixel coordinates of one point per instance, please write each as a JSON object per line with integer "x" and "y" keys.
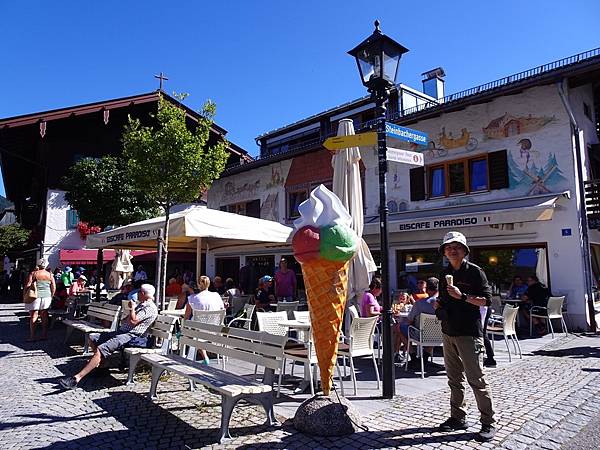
{"x": 378, "y": 58}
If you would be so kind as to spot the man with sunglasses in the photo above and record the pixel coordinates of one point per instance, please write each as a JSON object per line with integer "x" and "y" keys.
{"x": 464, "y": 289}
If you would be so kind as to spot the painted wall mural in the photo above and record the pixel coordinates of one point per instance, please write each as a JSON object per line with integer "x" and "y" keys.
{"x": 509, "y": 125}
{"x": 269, "y": 209}
{"x": 529, "y": 179}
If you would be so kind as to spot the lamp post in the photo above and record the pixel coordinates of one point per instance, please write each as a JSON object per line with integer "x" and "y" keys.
{"x": 378, "y": 58}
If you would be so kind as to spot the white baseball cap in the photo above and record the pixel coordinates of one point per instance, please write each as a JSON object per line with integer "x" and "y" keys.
{"x": 454, "y": 236}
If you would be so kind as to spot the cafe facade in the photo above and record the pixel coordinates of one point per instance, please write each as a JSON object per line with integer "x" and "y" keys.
{"x": 503, "y": 165}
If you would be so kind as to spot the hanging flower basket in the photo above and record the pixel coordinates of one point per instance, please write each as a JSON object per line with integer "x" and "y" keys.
{"x": 85, "y": 230}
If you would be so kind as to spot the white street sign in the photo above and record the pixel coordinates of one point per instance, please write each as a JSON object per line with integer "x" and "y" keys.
{"x": 405, "y": 156}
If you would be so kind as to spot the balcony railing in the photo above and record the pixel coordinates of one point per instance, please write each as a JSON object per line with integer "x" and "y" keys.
{"x": 592, "y": 203}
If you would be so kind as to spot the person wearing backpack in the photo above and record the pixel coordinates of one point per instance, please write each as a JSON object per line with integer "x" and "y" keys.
{"x": 536, "y": 295}
{"x": 45, "y": 287}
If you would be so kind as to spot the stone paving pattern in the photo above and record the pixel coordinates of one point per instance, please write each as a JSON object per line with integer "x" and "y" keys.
{"x": 542, "y": 402}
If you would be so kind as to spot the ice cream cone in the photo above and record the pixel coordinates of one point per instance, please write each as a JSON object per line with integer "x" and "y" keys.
{"x": 326, "y": 290}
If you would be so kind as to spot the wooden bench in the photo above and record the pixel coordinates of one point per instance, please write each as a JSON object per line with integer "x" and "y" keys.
{"x": 162, "y": 330}
{"x": 97, "y": 315}
{"x": 252, "y": 346}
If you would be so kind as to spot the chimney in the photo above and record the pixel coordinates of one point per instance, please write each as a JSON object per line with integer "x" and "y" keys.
{"x": 433, "y": 83}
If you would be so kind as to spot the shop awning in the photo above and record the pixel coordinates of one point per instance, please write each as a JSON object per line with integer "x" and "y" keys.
{"x": 527, "y": 209}
{"x": 86, "y": 256}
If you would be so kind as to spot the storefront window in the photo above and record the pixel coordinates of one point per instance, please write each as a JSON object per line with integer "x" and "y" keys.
{"x": 415, "y": 265}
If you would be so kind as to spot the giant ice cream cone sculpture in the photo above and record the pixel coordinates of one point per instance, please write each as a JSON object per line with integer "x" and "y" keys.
{"x": 324, "y": 244}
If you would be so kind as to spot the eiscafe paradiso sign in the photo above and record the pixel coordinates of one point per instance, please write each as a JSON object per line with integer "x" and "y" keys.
{"x": 444, "y": 222}
{"x": 130, "y": 236}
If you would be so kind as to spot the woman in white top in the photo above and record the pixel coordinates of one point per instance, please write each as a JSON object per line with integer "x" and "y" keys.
{"x": 204, "y": 300}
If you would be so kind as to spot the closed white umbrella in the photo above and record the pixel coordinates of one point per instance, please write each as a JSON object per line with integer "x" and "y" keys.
{"x": 121, "y": 269}
{"x": 348, "y": 187}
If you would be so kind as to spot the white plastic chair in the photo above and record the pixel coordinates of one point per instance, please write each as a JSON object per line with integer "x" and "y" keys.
{"x": 269, "y": 322}
{"x": 216, "y": 317}
{"x": 172, "y": 303}
{"x": 552, "y": 311}
{"x": 360, "y": 343}
{"x": 246, "y": 317}
{"x": 505, "y": 326}
{"x": 429, "y": 334}
{"x": 353, "y": 312}
{"x": 288, "y": 307}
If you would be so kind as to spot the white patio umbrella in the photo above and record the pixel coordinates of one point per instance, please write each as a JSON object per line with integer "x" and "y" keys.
{"x": 347, "y": 186}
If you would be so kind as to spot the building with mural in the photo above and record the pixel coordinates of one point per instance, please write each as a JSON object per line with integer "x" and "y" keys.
{"x": 505, "y": 165}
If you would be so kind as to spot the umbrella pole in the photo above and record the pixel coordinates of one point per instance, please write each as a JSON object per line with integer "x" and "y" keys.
{"x": 159, "y": 248}
{"x": 198, "y": 257}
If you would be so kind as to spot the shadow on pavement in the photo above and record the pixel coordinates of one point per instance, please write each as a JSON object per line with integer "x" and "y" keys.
{"x": 44, "y": 419}
{"x": 376, "y": 439}
{"x": 573, "y": 352}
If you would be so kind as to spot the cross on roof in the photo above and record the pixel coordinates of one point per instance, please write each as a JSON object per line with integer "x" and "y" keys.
{"x": 161, "y": 77}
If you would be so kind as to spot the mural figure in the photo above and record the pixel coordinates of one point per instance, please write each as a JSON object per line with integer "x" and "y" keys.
{"x": 464, "y": 140}
{"x": 276, "y": 178}
{"x": 509, "y": 125}
{"x": 230, "y": 190}
{"x": 433, "y": 152}
{"x": 526, "y": 151}
{"x": 269, "y": 209}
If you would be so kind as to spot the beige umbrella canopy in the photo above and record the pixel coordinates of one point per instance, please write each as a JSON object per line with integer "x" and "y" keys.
{"x": 347, "y": 186}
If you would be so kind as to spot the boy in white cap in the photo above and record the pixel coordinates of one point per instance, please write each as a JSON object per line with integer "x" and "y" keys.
{"x": 464, "y": 289}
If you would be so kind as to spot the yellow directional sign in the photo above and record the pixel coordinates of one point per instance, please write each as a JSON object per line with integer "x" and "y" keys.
{"x": 353, "y": 140}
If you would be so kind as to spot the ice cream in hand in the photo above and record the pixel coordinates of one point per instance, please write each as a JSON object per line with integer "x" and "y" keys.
{"x": 324, "y": 244}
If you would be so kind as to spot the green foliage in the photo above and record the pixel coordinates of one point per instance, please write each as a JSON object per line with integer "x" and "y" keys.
{"x": 103, "y": 194}
{"x": 172, "y": 163}
{"x": 13, "y": 237}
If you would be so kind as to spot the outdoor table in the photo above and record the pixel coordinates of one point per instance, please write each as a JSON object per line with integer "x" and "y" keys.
{"x": 300, "y": 325}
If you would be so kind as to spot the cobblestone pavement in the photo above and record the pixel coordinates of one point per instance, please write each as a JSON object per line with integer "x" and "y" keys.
{"x": 542, "y": 401}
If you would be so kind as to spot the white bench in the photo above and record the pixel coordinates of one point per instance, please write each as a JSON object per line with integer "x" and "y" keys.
{"x": 93, "y": 323}
{"x": 252, "y": 346}
{"x": 161, "y": 329}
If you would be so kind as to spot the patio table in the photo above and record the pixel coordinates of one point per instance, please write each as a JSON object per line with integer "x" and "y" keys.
{"x": 300, "y": 325}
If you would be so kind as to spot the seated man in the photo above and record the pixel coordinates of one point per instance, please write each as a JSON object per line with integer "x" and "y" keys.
{"x": 517, "y": 288}
{"x": 263, "y": 297}
{"x": 135, "y": 325}
{"x": 536, "y": 295}
{"x": 422, "y": 306}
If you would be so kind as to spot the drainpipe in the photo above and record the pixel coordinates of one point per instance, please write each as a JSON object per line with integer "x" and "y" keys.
{"x": 582, "y": 217}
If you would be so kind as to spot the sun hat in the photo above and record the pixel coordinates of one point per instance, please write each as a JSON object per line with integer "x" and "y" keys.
{"x": 81, "y": 269}
{"x": 68, "y": 269}
{"x": 454, "y": 236}
{"x": 267, "y": 278}
{"x": 82, "y": 277}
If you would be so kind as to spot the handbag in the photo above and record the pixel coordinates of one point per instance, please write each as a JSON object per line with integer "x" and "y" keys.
{"x": 30, "y": 293}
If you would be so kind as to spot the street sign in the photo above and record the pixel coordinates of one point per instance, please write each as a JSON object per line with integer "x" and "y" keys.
{"x": 405, "y": 157}
{"x": 406, "y": 134}
{"x": 353, "y": 140}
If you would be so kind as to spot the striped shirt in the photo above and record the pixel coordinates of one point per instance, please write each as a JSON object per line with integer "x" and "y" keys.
{"x": 146, "y": 313}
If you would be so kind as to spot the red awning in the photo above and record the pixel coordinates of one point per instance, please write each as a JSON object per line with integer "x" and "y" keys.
{"x": 88, "y": 256}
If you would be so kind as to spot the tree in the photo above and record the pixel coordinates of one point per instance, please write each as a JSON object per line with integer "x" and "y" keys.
{"x": 173, "y": 162}
{"x": 13, "y": 237}
{"x": 103, "y": 195}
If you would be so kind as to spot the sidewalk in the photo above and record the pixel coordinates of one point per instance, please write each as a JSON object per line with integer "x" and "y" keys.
{"x": 541, "y": 401}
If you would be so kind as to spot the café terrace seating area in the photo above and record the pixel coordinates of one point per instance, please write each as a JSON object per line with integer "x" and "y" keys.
{"x": 294, "y": 376}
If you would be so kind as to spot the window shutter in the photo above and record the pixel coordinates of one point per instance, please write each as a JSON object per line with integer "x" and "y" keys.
{"x": 72, "y": 219}
{"x": 417, "y": 184}
{"x": 498, "y": 169}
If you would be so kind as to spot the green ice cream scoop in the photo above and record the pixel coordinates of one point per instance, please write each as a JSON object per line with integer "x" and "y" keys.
{"x": 337, "y": 242}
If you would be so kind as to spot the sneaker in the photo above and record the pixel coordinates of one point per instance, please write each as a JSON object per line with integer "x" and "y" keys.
{"x": 68, "y": 382}
{"x": 489, "y": 362}
{"x": 399, "y": 359}
{"x": 452, "y": 424}
{"x": 487, "y": 433}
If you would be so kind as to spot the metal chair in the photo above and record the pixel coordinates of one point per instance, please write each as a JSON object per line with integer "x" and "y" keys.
{"x": 245, "y": 318}
{"x": 360, "y": 343}
{"x": 552, "y": 311}
{"x": 429, "y": 334}
{"x": 288, "y": 307}
{"x": 505, "y": 326}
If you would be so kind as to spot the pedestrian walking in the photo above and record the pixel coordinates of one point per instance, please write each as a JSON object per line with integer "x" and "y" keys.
{"x": 463, "y": 290}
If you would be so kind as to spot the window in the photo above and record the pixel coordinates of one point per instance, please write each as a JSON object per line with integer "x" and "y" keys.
{"x": 458, "y": 177}
{"x": 437, "y": 185}
{"x": 250, "y": 209}
{"x": 479, "y": 175}
{"x": 294, "y": 200}
{"x": 72, "y": 219}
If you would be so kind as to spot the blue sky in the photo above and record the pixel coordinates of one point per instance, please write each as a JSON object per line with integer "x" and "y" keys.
{"x": 267, "y": 63}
